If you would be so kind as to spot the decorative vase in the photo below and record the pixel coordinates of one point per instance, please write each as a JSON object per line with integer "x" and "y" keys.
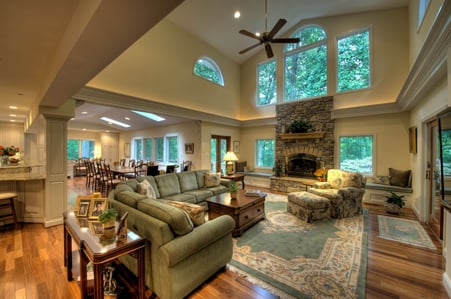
{"x": 4, "y": 161}
{"x": 392, "y": 208}
{"x": 109, "y": 223}
{"x": 322, "y": 179}
{"x": 233, "y": 195}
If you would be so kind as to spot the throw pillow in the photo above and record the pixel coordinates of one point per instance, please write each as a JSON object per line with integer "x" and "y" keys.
{"x": 383, "y": 180}
{"x": 146, "y": 188}
{"x": 195, "y": 212}
{"x": 212, "y": 179}
{"x": 399, "y": 177}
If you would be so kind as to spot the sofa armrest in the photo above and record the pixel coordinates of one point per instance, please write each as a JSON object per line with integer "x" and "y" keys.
{"x": 225, "y": 182}
{"x": 202, "y": 236}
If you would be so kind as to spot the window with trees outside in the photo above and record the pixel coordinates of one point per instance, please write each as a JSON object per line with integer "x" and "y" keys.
{"x": 207, "y": 68}
{"x": 159, "y": 149}
{"x": 265, "y": 153}
{"x": 77, "y": 149}
{"x": 266, "y": 83}
{"x": 356, "y": 153}
{"x": 148, "y": 149}
{"x": 173, "y": 149}
{"x": 137, "y": 148}
{"x": 306, "y": 64}
{"x": 446, "y": 151}
{"x": 353, "y": 61}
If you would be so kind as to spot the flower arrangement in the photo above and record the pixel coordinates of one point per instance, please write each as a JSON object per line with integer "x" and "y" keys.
{"x": 321, "y": 173}
{"x": 8, "y": 151}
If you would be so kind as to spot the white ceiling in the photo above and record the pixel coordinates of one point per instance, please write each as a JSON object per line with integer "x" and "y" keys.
{"x": 32, "y": 32}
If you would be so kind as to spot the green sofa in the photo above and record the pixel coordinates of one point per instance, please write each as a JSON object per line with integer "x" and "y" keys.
{"x": 180, "y": 256}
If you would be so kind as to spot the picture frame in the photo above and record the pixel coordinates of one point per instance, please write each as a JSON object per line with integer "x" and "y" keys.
{"x": 189, "y": 148}
{"x": 236, "y": 147}
{"x": 82, "y": 206}
{"x": 413, "y": 140}
{"x": 96, "y": 227}
{"x": 98, "y": 205}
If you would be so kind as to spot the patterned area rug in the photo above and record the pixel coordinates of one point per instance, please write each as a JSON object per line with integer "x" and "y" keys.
{"x": 294, "y": 259}
{"x": 404, "y": 231}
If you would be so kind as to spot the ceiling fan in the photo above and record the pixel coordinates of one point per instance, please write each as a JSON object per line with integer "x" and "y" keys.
{"x": 266, "y": 37}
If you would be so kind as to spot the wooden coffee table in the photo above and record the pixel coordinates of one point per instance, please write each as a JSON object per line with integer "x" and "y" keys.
{"x": 245, "y": 210}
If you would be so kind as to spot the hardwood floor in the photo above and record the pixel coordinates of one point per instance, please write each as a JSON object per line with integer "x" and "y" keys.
{"x": 31, "y": 265}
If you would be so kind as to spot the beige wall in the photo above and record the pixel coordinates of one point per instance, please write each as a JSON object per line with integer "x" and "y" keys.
{"x": 249, "y": 136}
{"x": 162, "y": 64}
{"x": 389, "y": 38}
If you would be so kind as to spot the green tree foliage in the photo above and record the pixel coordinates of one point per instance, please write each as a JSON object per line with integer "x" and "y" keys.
{"x": 446, "y": 151}
{"x": 173, "y": 147}
{"x": 159, "y": 148}
{"x": 72, "y": 149}
{"x": 267, "y": 83}
{"x": 356, "y": 153}
{"x": 306, "y": 68}
{"x": 353, "y": 62}
{"x": 265, "y": 153}
{"x": 207, "y": 69}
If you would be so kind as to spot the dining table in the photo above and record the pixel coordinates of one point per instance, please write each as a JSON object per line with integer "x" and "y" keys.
{"x": 123, "y": 171}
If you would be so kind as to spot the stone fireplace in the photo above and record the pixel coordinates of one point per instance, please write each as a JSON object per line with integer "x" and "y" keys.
{"x": 299, "y": 155}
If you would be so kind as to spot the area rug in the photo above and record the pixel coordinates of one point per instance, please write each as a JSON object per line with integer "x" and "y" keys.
{"x": 405, "y": 231}
{"x": 294, "y": 259}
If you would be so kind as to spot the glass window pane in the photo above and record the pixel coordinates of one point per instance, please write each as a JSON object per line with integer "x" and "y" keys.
{"x": 87, "y": 148}
{"x": 356, "y": 153}
{"x": 206, "y": 68}
{"x": 307, "y": 35}
{"x": 266, "y": 83}
{"x": 137, "y": 149}
{"x": 353, "y": 62}
{"x": 306, "y": 73}
{"x": 446, "y": 151}
{"x": 148, "y": 149}
{"x": 213, "y": 155}
{"x": 159, "y": 149}
{"x": 72, "y": 149}
{"x": 265, "y": 153}
{"x": 173, "y": 149}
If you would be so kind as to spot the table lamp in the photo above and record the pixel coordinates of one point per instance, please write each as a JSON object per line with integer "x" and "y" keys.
{"x": 230, "y": 157}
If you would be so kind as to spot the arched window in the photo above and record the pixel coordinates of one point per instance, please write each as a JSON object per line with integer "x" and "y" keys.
{"x": 206, "y": 68}
{"x": 306, "y": 64}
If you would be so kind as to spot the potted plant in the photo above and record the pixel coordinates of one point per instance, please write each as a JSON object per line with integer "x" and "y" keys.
{"x": 233, "y": 189}
{"x": 394, "y": 203}
{"x": 299, "y": 126}
{"x": 108, "y": 217}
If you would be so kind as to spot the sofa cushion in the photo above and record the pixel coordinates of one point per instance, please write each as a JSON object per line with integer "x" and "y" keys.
{"x": 168, "y": 184}
{"x": 123, "y": 187}
{"x": 195, "y": 212}
{"x": 201, "y": 195}
{"x": 399, "y": 178}
{"x": 185, "y": 197}
{"x": 200, "y": 177}
{"x": 176, "y": 218}
{"x": 380, "y": 179}
{"x": 130, "y": 198}
{"x": 212, "y": 179}
{"x": 152, "y": 182}
{"x": 187, "y": 181}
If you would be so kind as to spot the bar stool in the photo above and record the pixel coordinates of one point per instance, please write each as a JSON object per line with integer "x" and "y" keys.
{"x": 7, "y": 203}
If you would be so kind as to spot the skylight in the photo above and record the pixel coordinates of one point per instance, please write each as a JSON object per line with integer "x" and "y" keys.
{"x": 149, "y": 115}
{"x": 112, "y": 121}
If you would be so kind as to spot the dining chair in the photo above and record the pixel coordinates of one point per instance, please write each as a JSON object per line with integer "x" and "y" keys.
{"x": 186, "y": 165}
{"x": 152, "y": 170}
{"x": 170, "y": 168}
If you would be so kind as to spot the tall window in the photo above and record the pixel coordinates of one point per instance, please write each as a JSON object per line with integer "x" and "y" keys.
{"x": 77, "y": 149}
{"x": 137, "y": 148}
{"x": 265, "y": 153}
{"x": 206, "y": 68}
{"x": 266, "y": 83}
{"x": 159, "y": 149}
{"x": 306, "y": 64}
{"x": 356, "y": 153}
{"x": 173, "y": 149}
{"x": 148, "y": 149}
{"x": 353, "y": 61}
{"x": 422, "y": 7}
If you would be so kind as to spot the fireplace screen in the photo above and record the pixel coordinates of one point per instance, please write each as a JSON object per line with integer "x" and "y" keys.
{"x": 302, "y": 165}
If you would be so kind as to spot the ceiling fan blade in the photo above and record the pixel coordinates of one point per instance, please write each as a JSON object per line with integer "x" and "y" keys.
{"x": 268, "y": 49}
{"x": 250, "y": 34}
{"x": 249, "y": 48}
{"x": 285, "y": 40}
{"x": 277, "y": 27}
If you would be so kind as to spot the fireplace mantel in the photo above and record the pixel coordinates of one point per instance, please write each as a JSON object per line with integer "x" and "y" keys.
{"x": 309, "y": 135}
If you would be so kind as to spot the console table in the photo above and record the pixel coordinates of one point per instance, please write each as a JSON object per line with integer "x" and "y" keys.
{"x": 99, "y": 253}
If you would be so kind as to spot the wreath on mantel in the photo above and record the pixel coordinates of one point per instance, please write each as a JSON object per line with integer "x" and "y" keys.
{"x": 299, "y": 126}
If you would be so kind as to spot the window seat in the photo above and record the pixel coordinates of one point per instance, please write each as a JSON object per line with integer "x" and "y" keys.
{"x": 375, "y": 193}
{"x": 257, "y": 179}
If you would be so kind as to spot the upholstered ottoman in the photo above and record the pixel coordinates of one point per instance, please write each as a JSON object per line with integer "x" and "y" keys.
{"x": 308, "y": 207}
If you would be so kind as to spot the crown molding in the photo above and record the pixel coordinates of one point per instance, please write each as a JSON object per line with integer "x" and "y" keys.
{"x": 366, "y": 110}
{"x": 108, "y": 98}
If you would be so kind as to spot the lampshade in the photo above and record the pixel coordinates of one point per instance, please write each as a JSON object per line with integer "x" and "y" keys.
{"x": 230, "y": 156}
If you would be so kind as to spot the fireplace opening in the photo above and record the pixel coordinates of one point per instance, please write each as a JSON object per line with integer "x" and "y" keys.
{"x": 302, "y": 165}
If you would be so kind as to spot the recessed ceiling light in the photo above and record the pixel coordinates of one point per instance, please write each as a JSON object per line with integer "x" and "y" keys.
{"x": 12, "y": 107}
{"x": 84, "y": 129}
{"x": 112, "y": 121}
{"x": 84, "y": 112}
{"x": 149, "y": 115}
{"x": 12, "y": 115}
{"x": 237, "y": 14}
{"x": 12, "y": 120}
{"x": 257, "y": 33}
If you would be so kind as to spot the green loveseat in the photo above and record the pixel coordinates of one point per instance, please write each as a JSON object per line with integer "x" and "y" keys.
{"x": 179, "y": 256}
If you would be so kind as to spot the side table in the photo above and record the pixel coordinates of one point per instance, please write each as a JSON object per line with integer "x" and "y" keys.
{"x": 237, "y": 177}
{"x": 91, "y": 249}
